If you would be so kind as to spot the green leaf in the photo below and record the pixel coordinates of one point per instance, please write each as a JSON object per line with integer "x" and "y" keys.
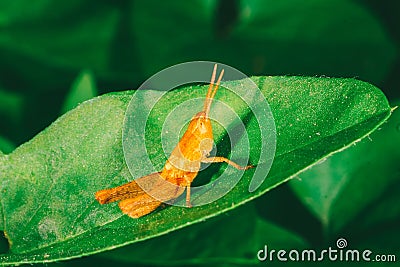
{"x": 212, "y": 241}
{"x": 83, "y": 89}
{"x": 48, "y": 184}
{"x": 363, "y": 180}
{"x": 2, "y": 167}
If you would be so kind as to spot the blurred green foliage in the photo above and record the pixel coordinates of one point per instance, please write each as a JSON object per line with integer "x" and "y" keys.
{"x": 45, "y": 45}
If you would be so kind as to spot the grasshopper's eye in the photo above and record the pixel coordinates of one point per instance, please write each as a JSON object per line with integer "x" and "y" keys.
{"x": 202, "y": 126}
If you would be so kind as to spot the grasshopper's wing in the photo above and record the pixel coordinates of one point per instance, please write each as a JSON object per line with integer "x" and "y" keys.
{"x": 143, "y": 204}
{"x": 132, "y": 189}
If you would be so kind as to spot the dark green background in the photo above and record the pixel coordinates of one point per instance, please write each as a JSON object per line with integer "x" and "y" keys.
{"x": 45, "y": 45}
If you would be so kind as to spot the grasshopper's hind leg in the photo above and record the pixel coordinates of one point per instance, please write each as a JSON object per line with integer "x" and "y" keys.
{"x": 188, "y": 197}
{"x": 139, "y": 206}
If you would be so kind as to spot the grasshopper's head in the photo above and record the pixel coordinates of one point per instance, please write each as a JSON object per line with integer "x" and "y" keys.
{"x": 200, "y": 125}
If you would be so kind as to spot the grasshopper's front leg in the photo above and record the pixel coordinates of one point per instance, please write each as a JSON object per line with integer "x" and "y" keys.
{"x": 222, "y": 159}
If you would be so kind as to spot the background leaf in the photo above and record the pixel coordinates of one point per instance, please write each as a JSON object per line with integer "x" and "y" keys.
{"x": 83, "y": 89}
{"x": 81, "y": 153}
{"x": 6, "y": 146}
{"x": 279, "y": 37}
{"x": 356, "y": 183}
{"x": 50, "y": 42}
{"x": 212, "y": 241}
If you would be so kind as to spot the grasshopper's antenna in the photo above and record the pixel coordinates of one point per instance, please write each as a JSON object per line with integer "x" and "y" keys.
{"x": 217, "y": 85}
{"x": 211, "y": 85}
{"x": 212, "y": 91}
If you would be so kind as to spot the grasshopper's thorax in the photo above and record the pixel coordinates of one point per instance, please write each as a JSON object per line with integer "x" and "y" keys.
{"x": 195, "y": 144}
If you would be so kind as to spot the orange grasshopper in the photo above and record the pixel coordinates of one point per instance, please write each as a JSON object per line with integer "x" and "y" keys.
{"x": 145, "y": 194}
